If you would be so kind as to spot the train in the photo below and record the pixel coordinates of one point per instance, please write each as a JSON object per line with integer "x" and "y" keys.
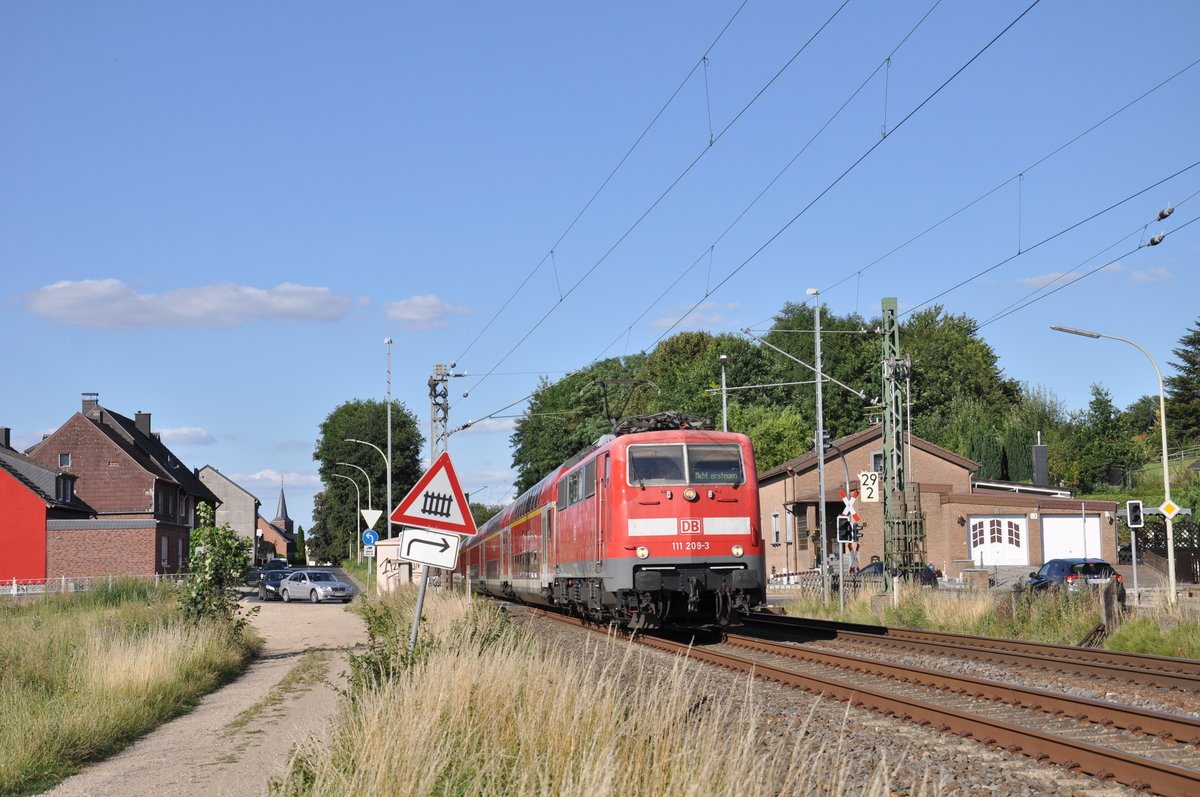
{"x": 643, "y": 530}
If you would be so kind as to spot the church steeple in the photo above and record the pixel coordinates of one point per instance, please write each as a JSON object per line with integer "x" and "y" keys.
{"x": 281, "y": 517}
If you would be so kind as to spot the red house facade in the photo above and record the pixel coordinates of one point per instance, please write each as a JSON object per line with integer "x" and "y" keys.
{"x": 31, "y": 497}
{"x": 142, "y": 498}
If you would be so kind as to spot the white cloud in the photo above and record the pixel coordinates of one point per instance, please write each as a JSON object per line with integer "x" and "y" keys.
{"x": 491, "y": 426}
{"x": 186, "y": 436}
{"x": 698, "y": 316}
{"x": 111, "y": 304}
{"x": 422, "y": 312}
{"x": 1042, "y": 280}
{"x": 1153, "y": 275}
{"x": 269, "y": 480}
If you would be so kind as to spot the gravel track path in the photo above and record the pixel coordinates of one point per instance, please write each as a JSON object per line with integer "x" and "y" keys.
{"x": 240, "y": 736}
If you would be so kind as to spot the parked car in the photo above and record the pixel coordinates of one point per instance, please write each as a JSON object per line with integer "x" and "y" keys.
{"x": 929, "y": 574}
{"x": 268, "y": 583}
{"x": 1075, "y": 575}
{"x": 316, "y": 585}
{"x": 250, "y": 577}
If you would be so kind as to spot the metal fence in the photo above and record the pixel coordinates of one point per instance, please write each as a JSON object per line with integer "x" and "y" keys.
{"x": 47, "y": 586}
{"x": 809, "y": 583}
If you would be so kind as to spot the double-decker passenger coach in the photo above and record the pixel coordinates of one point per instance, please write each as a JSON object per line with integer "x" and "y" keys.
{"x": 645, "y": 529}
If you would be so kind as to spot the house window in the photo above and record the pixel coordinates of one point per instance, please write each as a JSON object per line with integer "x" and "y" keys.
{"x": 163, "y": 548}
{"x": 64, "y": 489}
{"x": 1014, "y": 534}
{"x": 181, "y": 553}
{"x": 64, "y": 460}
{"x": 977, "y": 535}
{"x": 877, "y": 461}
{"x": 996, "y": 530}
{"x": 774, "y": 528}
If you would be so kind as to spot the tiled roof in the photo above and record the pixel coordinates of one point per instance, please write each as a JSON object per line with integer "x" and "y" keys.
{"x": 37, "y": 478}
{"x": 869, "y": 435}
{"x": 150, "y": 452}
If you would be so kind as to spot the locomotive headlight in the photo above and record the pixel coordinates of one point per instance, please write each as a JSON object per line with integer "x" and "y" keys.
{"x": 690, "y": 494}
{"x": 642, "y": 552}
{"x": 738, "y": 550}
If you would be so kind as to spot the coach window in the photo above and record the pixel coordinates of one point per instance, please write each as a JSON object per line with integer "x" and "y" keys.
{"x": 589, "y": 479}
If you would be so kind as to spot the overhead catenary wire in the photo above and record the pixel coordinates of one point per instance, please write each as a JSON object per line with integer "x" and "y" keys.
{"x": 604, "y": 184}
{"x": 708, "y": 289}
{"x": 654, "y": 204}
{"x": 852, "y": 167}
{"x": 1021, "y": 173}
{"x": 1047, "y": 239}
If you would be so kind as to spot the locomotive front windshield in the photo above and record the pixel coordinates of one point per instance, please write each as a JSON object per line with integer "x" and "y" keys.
{"x": 678, "y": 464}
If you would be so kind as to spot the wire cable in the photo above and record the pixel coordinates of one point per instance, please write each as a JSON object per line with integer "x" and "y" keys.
{"x": 605, "y": 182}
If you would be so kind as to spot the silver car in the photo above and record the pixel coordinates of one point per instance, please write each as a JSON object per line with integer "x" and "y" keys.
{"x": 316, "y": 585}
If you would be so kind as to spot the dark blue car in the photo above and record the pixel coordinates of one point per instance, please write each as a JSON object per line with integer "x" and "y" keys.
{"x": 1075, "y": 575}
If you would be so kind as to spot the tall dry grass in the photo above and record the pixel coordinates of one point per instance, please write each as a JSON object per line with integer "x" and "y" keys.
{"x": 83, "y": 675}
{"x": 486, "y": 710}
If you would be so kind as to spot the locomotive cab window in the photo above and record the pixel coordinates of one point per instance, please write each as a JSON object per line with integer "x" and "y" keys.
{"x": 699, "y": 463}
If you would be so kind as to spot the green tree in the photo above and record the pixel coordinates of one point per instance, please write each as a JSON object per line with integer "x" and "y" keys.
{"x": 334, "y": 519}
{"x": 778, "y": 434}
{"x": 1101, "y": 437}
{"x": 1183, "y": 390}
{"x": 301, "y": 555}
{"x": 217, "y": 560}
{"x": 482, "y": 513}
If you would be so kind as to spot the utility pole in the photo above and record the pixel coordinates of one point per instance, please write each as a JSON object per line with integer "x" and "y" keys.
{"x": 820, "y": 443}
{"x": 903, "y": 520}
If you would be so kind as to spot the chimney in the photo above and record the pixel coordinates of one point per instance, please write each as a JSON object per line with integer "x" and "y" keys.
{"x": 5, "y": 437}
{"x": 1041, "y": 465}
{"x": 90, "y": 402}
{"x": 142, "y": 421}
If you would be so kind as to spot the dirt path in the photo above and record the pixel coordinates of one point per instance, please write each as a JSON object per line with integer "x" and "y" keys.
{"x": 240, "y": 736}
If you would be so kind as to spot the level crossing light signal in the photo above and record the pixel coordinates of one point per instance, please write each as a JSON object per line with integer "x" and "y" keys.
{"x": 1133, "y": 514}
{"x": 845, "y": 529}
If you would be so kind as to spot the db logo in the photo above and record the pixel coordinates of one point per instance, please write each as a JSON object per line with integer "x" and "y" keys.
{"x": 689, "y": 525}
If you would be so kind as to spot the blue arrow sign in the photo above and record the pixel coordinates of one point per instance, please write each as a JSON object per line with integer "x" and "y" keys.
{"x": 370, "y": 537}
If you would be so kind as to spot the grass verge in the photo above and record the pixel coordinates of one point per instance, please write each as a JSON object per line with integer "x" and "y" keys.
{"x": 84, "y": 674}
{"x": 484, "y": 709}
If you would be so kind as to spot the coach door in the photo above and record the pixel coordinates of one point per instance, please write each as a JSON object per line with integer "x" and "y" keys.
{"x": 603, "y": 518}
{"x": 548, "y": 557}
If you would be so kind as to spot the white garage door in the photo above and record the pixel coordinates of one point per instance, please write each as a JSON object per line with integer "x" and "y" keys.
{"x": 999, "y": 540}
{"x": 1065, "y": 537}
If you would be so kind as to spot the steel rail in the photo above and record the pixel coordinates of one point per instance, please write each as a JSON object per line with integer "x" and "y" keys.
{"x": 1102, "y": 761}
{"x": 1139, "y": 668}
{"x": 1084, "y": 709}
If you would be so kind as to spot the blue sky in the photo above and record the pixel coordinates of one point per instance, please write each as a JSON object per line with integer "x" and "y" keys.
{"x": 217, "y": 212}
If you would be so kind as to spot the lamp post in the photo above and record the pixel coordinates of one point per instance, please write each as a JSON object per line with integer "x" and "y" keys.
{"x": 358, "y": 506}
{"x": 1162, "y": 423}
{"x": 814, "y": 292}
{"x": 724, "y": 405}
{"x": 257, "y": 544}
{"x": 367, "y": 476}
{"x": 388, "y": 459}
{"x": 388, "y": 465}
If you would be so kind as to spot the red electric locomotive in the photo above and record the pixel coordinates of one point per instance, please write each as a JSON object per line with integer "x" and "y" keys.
{"x": 646, "y": 529}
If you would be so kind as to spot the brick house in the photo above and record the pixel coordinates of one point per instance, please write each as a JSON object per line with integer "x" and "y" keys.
{"x": 238, "y": 509}
{"x": 31, "y": 497}
{"x": 278, "y": 535}
{"x": 143, "y": 497}
{"x": 968, "y": 523}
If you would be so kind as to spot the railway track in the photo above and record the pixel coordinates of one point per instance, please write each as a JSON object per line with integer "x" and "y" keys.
{"x": 1109, "y": 665}
{"x": 1143, "y": 749}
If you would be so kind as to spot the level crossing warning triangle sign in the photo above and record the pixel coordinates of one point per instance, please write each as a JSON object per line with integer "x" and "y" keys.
{"x": 436, "y": 501}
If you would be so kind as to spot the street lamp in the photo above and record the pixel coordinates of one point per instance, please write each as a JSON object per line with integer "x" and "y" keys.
{"x": 820, "y": 441}
{"x": 358, "y": 507}
{"x": 1162, "y": 416}
{"x": 388, "y": 465}
{"x": 370, "y": 501}
{"x": 257, "y": 543}
{"x": 388, "y": 459}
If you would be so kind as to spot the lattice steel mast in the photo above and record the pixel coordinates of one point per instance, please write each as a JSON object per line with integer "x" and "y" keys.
{"x": 903, "y": 520}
